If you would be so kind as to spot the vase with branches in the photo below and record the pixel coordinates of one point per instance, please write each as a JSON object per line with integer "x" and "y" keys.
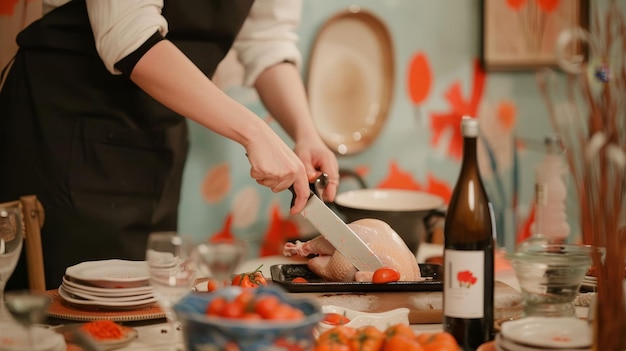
{"x": 587, "y": 107}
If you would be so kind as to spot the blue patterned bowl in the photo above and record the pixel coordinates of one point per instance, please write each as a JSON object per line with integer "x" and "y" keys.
{"x": 203, "y": 332}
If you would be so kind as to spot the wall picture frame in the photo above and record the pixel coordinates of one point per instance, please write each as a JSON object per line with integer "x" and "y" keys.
{"x": 522, "y": 34}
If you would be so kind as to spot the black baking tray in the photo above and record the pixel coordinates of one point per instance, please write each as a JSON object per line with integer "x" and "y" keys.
{"x": 283, "y": 274}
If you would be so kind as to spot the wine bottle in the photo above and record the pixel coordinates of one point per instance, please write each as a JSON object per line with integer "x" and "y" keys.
{"x": 469, "y": 233}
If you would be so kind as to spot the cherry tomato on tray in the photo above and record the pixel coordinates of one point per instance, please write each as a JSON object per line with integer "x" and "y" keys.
{"x": 335, "y": 319}
{"x": 385, "y": 275}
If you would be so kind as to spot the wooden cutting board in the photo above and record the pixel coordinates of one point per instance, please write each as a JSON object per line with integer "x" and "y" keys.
{"x": 425, "y": 307}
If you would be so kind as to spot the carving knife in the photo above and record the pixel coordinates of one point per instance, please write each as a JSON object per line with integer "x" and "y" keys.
{"x": 337, "y": 232}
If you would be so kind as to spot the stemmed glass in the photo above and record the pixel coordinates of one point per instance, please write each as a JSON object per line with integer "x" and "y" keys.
{"x": 28, "y": 308}
{"x": 172, "y": 270}
{"x": 218, "y": 258}
{"x": 11, "y": 240}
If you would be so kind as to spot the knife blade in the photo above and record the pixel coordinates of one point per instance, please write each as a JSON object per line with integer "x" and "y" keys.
{"x": 339, "y": 234}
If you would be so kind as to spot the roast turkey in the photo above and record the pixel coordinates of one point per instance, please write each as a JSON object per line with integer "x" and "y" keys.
{"x": 331, "y": 265}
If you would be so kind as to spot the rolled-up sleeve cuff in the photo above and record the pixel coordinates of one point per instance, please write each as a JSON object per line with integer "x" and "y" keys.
{"x": 127, "y": 64}
{"x": 259, "y": 59}
{"x": 121, "y": 27}
{"x": 268, "y": 37}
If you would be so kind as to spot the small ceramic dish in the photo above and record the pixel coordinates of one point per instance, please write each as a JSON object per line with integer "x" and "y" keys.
{"x": 201, "y": 287}
{"x": 128, "y": 335}
{"x": 380, "y": 320}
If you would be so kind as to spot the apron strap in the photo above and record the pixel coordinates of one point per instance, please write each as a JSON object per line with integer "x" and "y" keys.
{"x": 5, "y": 72}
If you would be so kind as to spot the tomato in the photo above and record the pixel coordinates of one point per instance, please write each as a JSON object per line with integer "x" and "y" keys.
{"x": 259, "y": 278}
{"x": 212, "y": 285}
{"x": 250, "y": 279}
{"x": 367, "y": 338}
{"x": 299, "y": 280}
{"x": 440, "y": 341}
{"x": 245, "y": 299}
{"x": 215, "y": 307}
{"x": 400, "y": 337}
{"x": 335, "y": 339}
{"x": 331, "y": 345}
{"x": 231, "y": 346}
{"x": 401, "y": 342}
{"x": 385, "y": 275}
{"x": 241, "y": 280}
{"x": 335, "y": 319}
{"x": 265, "y": 305}
{"x": 284, "y": 312}
{"x": 399, "y": 329}
{"x": 232, "y": 309}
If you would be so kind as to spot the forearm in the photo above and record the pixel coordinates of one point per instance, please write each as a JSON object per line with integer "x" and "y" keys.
{"x": 167, "y": 75}
{"x": 282, "y": 92}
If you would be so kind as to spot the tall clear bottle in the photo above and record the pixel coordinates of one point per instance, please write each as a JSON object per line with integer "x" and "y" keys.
{"x": 550, "y": 175}
{"x": 469, "y": 252}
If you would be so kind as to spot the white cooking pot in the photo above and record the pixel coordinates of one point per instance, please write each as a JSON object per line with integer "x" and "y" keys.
{"x": 408, "y": 212}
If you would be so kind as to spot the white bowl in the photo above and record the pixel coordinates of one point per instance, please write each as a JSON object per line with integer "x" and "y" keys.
{"x": 380, "y": 320}
{"x": 406, "y": 211}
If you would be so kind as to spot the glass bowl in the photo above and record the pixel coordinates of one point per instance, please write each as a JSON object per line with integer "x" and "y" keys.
{"x": 549, "y": 276}
{"x": 203, "y": 332}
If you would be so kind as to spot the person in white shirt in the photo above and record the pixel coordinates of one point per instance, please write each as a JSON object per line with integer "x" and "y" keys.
{"x": 93, "y": 109}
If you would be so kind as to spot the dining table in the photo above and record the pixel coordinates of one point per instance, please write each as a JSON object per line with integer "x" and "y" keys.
{"x": 154, "y": 334}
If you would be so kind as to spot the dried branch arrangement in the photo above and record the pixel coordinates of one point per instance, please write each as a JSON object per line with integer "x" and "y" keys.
{"x": 587, "y": 108}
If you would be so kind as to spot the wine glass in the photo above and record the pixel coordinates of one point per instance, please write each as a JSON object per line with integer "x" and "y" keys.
{"x": 11, "y": 240}
{"x": 220, "y": 257}
{"x": 28, "y": 308}
{"x": 172, "y": 270}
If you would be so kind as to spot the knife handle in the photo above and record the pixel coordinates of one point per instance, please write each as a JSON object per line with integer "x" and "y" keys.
{"x": 293, "y": 193}
{"x": 321, "y": 181}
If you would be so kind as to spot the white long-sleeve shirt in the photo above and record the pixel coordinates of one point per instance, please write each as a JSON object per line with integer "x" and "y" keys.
{"x": 266, "y": 38}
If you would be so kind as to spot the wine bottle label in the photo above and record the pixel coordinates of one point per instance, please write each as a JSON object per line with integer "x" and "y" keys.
{"x": 464, "y": 284}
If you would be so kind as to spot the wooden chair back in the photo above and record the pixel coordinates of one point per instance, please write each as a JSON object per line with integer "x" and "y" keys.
{"x": 33, "y": 217}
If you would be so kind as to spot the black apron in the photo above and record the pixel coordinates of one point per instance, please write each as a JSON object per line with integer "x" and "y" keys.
{"x": 104, "y": 158}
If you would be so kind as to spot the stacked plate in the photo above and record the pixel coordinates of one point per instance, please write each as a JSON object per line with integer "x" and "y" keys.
{"x": 108, "y": 284}
{"x": 589, "y": 283}
{"x": 544, "y": 333}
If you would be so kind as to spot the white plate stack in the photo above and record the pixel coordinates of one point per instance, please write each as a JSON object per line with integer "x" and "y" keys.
{"x": 545, "y": 333}
{"x": 108, "y": 284}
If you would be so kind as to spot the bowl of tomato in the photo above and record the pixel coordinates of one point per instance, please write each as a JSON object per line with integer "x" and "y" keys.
{"x": 236, "y": 318}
